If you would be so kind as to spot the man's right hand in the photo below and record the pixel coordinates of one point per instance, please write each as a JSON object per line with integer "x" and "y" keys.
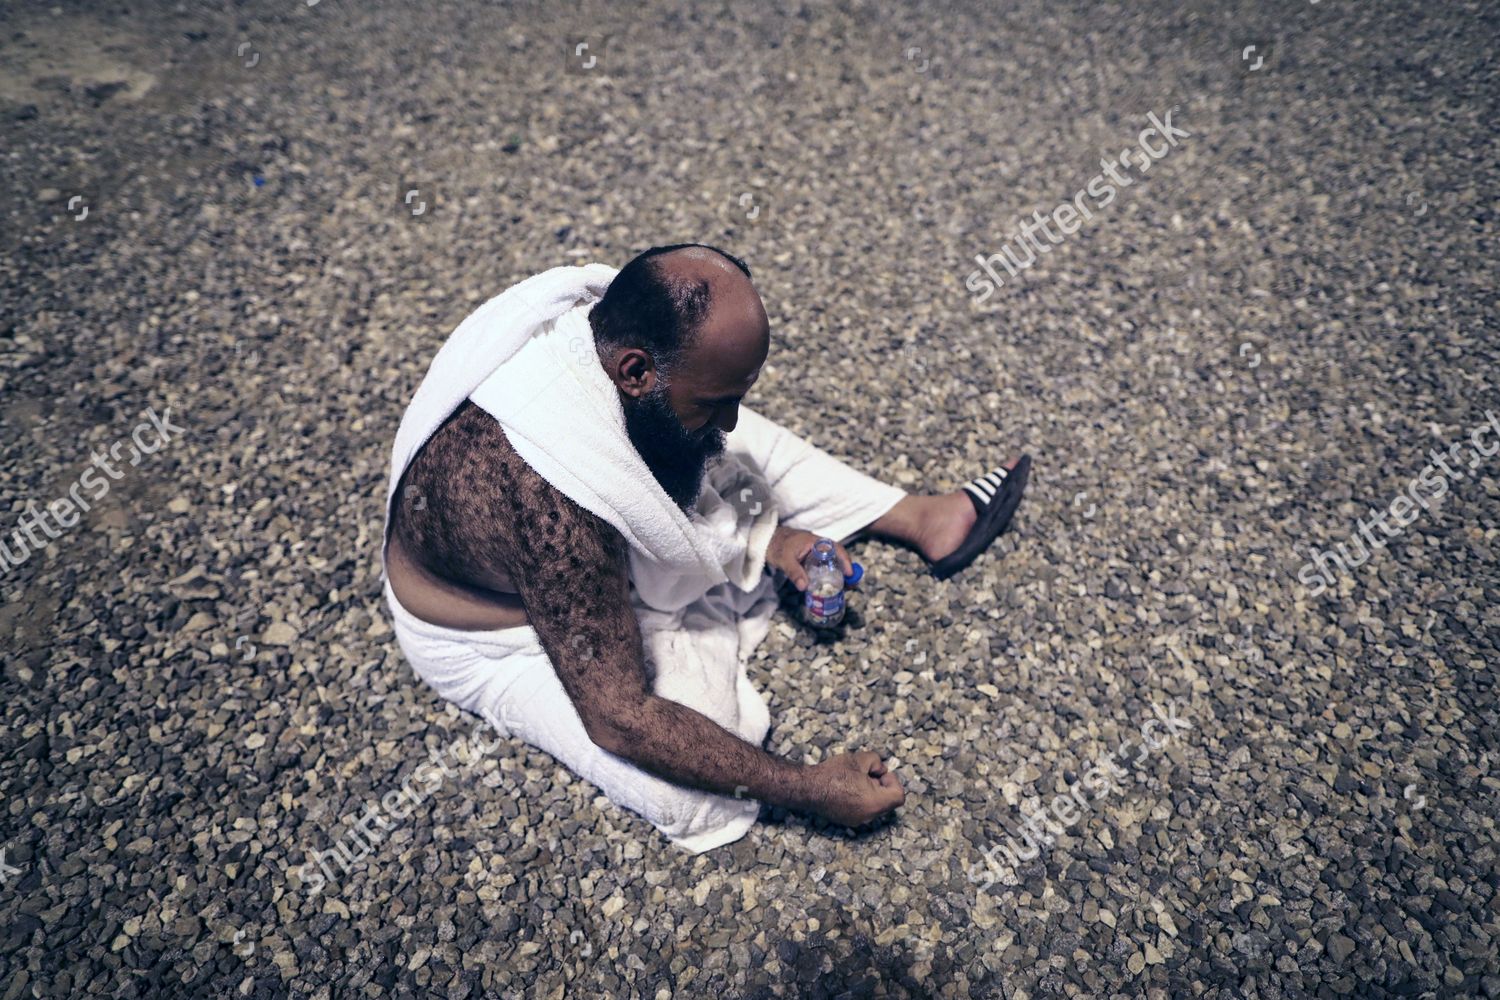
{"x": 853, "y": 788}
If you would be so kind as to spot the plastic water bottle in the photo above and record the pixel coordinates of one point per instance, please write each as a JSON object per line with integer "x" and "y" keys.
{"x": 824, "y": 599}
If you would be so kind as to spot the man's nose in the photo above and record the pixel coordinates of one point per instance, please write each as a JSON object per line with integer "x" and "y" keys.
{"x": 728, "y": 418}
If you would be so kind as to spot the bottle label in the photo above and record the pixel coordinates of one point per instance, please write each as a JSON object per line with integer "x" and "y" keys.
{"x": 825, "y": 610}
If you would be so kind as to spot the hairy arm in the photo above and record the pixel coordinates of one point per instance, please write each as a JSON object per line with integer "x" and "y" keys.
{"x": 575, "y": 586}
{"x": 489, "y": 514}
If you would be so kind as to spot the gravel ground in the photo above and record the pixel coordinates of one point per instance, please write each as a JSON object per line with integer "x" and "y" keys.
{"x": 1256, "y": 343}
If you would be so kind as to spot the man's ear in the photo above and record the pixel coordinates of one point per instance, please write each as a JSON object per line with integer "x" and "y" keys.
{"x": 633, "y": 372}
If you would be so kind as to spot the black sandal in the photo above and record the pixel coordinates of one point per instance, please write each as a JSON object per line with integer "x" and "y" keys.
{"x": 996, "y": 497}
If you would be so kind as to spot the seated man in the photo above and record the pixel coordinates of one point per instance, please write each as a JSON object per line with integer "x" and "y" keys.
{"x": 581, "y": 519}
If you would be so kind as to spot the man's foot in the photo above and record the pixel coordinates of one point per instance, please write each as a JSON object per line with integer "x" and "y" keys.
{"x": 947, "y": 522}
{"x": 950, "y": 522}
{"x": 933, "y": 525}
{"x": 995, "y": 497}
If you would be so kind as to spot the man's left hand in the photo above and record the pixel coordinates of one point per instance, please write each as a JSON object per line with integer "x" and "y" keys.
{"x": 789, "y": 546}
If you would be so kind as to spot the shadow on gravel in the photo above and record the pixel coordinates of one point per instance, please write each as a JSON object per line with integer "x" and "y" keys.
{"x": 850, "y": 966}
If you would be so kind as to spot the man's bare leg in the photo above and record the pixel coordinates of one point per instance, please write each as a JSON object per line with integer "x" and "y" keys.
{"x": 933, "y": 525}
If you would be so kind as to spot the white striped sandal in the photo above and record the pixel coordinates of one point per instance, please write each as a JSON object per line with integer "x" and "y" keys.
{"x": 995, "y": 496}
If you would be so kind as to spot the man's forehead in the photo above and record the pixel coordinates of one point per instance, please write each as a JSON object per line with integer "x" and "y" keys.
{"x": 732, "y": 344}
{"x": 724, "y": 379}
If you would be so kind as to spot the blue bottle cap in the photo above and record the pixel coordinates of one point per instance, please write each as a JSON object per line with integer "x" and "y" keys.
{"x": 856, "y": 576}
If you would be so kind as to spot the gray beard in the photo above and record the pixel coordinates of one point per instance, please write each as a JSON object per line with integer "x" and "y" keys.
{"x": 678, "y": 458}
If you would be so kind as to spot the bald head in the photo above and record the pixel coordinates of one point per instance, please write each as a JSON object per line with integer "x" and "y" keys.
{"x": 662, "y": 299}
{"x": 683, "y": 316}
{"x": 732, "y": 333}
{"x": 682, "y": 334}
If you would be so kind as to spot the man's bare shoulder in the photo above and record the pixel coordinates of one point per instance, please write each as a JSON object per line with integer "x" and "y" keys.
{"x": 471, "y": 511}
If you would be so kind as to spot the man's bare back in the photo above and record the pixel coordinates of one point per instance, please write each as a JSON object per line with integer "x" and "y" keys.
{"x": 427, "y": 578}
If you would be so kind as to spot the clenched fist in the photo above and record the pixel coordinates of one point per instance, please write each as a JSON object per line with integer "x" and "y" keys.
{"x": 854, "y": 788}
